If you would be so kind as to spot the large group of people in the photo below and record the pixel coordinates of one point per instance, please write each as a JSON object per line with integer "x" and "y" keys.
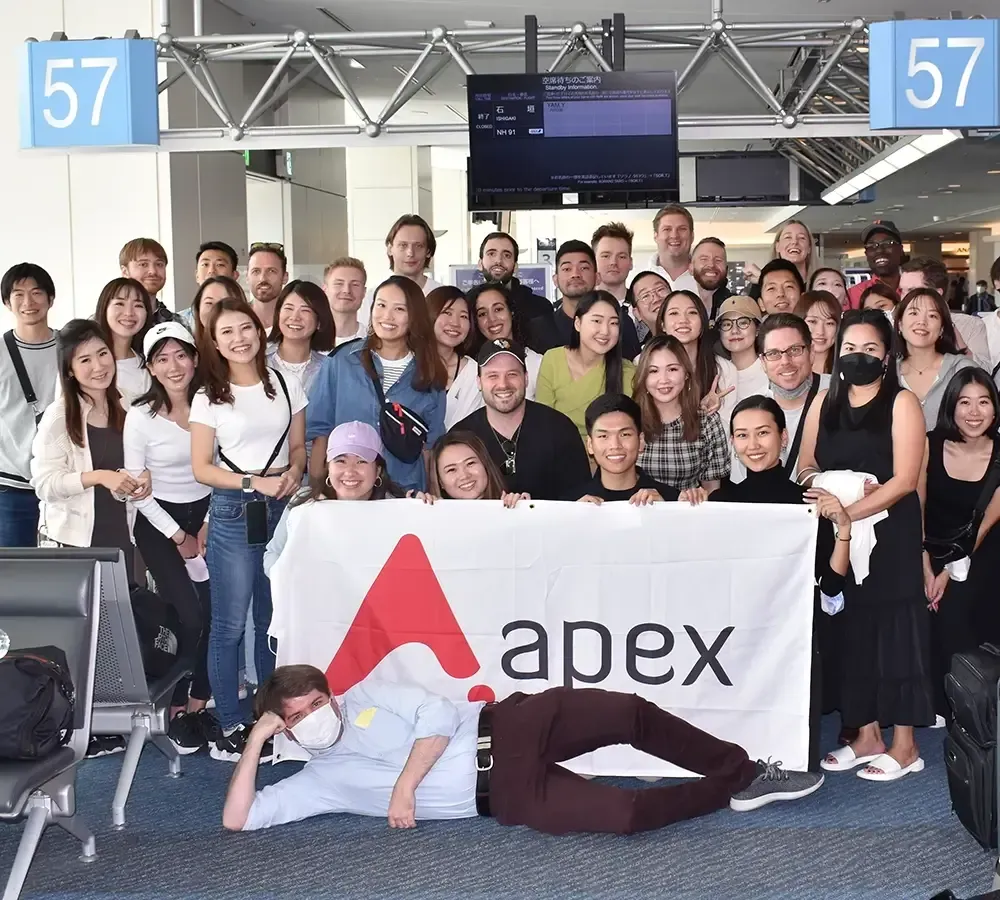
{"x": 189, "y": 440}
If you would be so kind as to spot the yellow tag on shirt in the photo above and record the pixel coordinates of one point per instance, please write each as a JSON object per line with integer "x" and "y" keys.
{"x": 365, "y": 717}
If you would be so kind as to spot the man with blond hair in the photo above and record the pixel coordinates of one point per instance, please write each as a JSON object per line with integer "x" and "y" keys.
{"x": 344, "y": 282}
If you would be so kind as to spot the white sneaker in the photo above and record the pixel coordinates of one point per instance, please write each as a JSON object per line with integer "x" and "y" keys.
{"x": 244, "y": 692}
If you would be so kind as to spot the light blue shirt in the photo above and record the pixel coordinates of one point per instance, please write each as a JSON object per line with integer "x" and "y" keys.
{"x": 357, "y": 774}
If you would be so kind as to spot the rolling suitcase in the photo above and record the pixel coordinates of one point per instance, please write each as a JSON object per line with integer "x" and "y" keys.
{"x": 970, "y": 745}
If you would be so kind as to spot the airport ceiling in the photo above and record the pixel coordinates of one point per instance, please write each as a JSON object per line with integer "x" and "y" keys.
{"x": 946, "y": 193}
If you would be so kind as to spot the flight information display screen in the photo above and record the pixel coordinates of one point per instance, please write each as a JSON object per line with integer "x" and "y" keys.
{"x": 570, "y": 133}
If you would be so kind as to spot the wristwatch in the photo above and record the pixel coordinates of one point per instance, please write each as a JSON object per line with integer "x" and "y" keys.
{"x": 247, "y": 484}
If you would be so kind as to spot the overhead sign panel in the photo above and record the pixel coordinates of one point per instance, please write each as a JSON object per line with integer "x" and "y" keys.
{"x": 934, "y": 74}
{"x": 100, "y": 93}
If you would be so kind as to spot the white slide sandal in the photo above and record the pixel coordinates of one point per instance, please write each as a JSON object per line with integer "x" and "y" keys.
{"x": 888, "y": 769}
{"x": 843, "y": 759}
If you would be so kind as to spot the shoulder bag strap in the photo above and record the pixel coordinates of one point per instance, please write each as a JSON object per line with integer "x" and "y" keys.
{"x": 22, "y": 373}
{"x": 377, "y": 382}
{"x": 277, "y": 447}
{"x": 793, "y": 452}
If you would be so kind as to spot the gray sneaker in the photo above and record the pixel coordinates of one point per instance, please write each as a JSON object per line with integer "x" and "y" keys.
{"x": 774, "y": 783}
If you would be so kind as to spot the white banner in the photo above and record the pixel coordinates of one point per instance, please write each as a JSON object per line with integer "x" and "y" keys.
{"x": 705, "y": 611}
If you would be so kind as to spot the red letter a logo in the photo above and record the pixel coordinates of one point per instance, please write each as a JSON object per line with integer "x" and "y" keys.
{"x": 404, "y": 605}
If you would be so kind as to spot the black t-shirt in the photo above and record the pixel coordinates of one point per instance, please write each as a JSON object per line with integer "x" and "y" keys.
{"x": 628, "y": 337}
{"x": 595, "y": 488}
{"x": 550, "y": 456}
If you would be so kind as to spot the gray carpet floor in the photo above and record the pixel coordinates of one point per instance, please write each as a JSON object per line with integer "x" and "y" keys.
{"x": 850, "y": 841}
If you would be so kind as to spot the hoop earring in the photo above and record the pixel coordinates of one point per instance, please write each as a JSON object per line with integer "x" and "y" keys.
{"x": 328, "y": 484}
{"x": 378, "y": 481}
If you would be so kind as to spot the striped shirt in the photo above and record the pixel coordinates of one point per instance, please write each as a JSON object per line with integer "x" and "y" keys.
{"x": 392, "y": 369}
{"x": 17, "y": 418}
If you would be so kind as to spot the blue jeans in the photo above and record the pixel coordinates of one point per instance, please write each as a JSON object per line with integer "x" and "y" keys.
{"x": 236, "y": 573}
{"x": 18, "y": 517}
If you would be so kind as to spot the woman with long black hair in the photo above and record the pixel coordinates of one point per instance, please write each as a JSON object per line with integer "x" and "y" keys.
{"x": 868, "y": 424}
{"x": 125, "y": 313}
{"x": 250, "y": 418}
{"x": 570, "y": 378}
{"x": 170, "y": 529}
{"x": 959, "y": 486}
{"x": 496, "y": 317}
{"x": 684, "y": 317}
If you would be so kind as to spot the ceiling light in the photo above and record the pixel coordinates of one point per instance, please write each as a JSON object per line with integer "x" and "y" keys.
{"x": 954, "y": 185}
{"x": 946, "y": 192}
{"x": 921, "y": 196}
{"x": 478, "y": 23}
{"x": 993, "y": 172}
{"x": 355, "y": 63}
{"x": 904, "y": 152}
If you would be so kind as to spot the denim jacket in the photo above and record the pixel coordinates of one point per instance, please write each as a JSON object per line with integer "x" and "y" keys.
{"x": 343, "y": 392}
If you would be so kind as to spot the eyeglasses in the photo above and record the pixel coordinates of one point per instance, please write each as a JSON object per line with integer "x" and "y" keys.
{"x": 740, "y": 324}
{"x": 793, "y": 352}
{"x": 267, "y": 246}
{"x": 659, "y": 293}
{"x": 889, "y": 244}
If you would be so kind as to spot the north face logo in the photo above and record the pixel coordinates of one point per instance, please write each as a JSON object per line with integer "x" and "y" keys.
{"x": 404, "y": 605}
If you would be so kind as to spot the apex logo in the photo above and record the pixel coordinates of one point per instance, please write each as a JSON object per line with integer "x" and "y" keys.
{"x": 404, "y": 605}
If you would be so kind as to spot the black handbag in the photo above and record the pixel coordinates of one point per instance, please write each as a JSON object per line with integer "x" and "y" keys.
{"x": 403, "y": 432}
{"x": 957, "y": 546}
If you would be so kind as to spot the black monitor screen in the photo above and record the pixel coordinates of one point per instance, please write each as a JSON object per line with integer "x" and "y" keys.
{"x": 545, "y": 134}
{"x": 742, "y": 176}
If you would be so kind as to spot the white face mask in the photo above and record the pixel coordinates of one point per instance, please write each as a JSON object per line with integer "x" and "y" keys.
{"x": 319, "y": 730}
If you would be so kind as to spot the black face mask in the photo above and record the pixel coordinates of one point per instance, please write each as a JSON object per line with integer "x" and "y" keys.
{"x": 859, "y": 369}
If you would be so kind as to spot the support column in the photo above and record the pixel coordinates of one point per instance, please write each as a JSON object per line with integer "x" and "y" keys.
{"x": 984, "y": 248}
{"x": 316, "y": 193}
{"x": 450, "y": 203}
{"x": 384, "y": 183}
{"x": 71, "y": 213}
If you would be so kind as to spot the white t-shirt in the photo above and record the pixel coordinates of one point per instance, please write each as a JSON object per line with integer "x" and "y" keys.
{"x": 751, "y": 380}
{"x": 533, "y": 362}
{"x": 464, "y": 396}
{"x": 248, "y": 429}
{"x": 346, "y": 338}
{"x": 992, "y": 323}
{"x": 133, "y": 379}
{"x": 164, "y": 448}
{"x": 683, "y": 282}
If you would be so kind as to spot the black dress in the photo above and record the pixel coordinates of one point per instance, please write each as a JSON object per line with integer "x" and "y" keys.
{"x": 110, "y": 516}
{"x": 966, "y": 616}
{"x": 886, "y": 672}
{"x": 773, "y": 486}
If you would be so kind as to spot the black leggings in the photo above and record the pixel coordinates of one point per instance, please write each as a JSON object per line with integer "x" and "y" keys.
{"x": 191, "y": 599}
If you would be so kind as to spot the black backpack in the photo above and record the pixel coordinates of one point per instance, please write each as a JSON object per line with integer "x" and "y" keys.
{"x": 157, "y": 625}
{"x": 970, "y": 746}
{"x": 36, "y": 703}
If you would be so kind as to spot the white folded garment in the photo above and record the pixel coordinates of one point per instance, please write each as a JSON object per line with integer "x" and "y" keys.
{"x": 831, "y": 605}
{"x": 196, "y": 568}
{"x": 849, "y": 487}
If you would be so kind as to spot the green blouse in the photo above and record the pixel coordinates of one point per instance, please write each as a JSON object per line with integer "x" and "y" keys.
{"x": 556, "y": 387}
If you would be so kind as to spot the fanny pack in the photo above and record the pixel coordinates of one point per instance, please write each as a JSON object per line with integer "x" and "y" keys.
{"x": 961, "y": 543}
{"x": 402, "y": 431}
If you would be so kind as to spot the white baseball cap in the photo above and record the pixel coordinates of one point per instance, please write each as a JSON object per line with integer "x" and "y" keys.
{"x": 163, "y": 331}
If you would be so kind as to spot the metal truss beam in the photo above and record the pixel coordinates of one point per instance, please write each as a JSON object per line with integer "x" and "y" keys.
{"x": 816, "y": 114}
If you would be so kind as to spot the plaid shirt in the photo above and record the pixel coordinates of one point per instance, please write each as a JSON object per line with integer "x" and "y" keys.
{"x": 686, "y": 464}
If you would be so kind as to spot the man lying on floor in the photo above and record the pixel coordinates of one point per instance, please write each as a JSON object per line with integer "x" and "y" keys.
{"x": 397, "y": 750}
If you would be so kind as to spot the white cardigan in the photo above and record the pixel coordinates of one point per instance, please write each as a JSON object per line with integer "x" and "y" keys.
{"x": 57, "y": 467}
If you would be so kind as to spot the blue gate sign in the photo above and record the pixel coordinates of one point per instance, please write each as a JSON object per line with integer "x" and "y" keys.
{"x": 538, "y": 278}
{"x": 934, "y": 74}
{"x": 100, "y": 93}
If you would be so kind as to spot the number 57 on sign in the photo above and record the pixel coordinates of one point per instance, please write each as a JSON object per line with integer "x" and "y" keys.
{"x": 934, "y": 74}
{"x": 99, "y": 93}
